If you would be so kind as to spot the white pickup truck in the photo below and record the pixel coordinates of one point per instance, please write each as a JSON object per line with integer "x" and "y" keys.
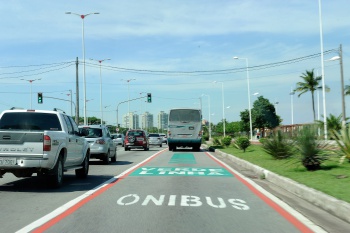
{"x": 43, "y": 142}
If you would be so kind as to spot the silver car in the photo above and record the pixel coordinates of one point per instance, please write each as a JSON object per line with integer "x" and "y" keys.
{"x": 155, "y": 139}
{"x": 101, "y": 143}
{"x": 118, "y": 138}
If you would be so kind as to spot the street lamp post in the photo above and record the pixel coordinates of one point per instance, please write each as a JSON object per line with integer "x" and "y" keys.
{"x": 322, "y": 65}
{"x": 276, "y": 103}
{"x": 71, "y": 101}
{"x": 291, "y": 93}
{"x": 249, "y": 109}
{"x": 223, "y": 106}
{"x": 101, "y": 109}
{"x": 128, "y": 81}
{"x": 83, "y": 43}
{"x": 342, "y": 92}
{"x": 209, "y": 115}
{"x": 31, "y": 82}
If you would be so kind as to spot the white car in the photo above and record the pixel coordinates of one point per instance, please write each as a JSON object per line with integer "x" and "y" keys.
{"x": 164, "y": 138}
{"x": 155, "y": 139}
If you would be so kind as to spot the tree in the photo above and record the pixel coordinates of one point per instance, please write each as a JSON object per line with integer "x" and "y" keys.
{"x": 264, "y": 114}
{"x": 245, "y": 121}
{"x": 310, "y": 84}
{"x": 347, "y": 90}
{"x": 333, "y": 123}
{"x": 234, "y": 127}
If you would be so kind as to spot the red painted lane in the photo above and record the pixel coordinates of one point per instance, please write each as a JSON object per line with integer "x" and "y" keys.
{"x": 299, "y": 225}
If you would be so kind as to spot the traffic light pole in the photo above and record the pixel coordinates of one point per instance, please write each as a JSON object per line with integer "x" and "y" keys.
{"x": 49, "y": 97}
{"x": 126, "y": 101}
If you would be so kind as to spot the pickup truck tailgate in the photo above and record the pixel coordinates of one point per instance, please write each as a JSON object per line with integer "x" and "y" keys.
{"x": 21, "y": 144}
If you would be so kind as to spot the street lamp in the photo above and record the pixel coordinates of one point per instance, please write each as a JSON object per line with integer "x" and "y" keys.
{"x": 340, "y": 58}
{"x": 291, "y": 93}
{"x": 128, "y": 81}
{"x": 100, "y": 61}
{"x": 83, "y": 42}
{"x": 322, "y": 65}
{"x": 209, "y": 115}
{"x": 31, "y": 82}
{"x": 223, "y": 105}
{"x": 276, "y": 106}
{"x": 87, "y": 116}
{"x": 249, "y": 109}
{"x": 71, "y": 101}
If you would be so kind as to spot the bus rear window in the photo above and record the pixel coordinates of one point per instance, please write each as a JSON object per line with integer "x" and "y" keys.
{"x": 188, "y": 115}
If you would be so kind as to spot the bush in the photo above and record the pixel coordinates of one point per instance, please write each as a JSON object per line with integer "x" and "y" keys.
{"x": 262, "y": 140}
{"x": 242, "y": 143}
{"x": 343, "y": 141}
{"x": 312, "y": 151}
{"x": 226, "y": 141}
{"x": 278, "y": 146}
{"x": 205, "y": 137}
{"x": 216, "y": 142}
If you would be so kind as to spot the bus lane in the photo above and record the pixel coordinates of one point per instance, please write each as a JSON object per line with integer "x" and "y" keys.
{"x": 183, "y": 191}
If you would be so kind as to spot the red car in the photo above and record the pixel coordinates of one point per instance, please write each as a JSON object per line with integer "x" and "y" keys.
{"x": 136, "y": 139}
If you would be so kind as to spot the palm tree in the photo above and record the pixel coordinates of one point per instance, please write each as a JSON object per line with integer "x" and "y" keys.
{"x": 311, "y": 82}
{"x": 347, "y": 90}
{"x": 334, "y": 123}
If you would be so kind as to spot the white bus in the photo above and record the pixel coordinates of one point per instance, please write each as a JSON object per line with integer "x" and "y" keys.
{"x": 185, "y": 128}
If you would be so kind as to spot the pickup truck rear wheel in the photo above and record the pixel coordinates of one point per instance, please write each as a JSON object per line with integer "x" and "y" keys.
{"x": 56, "y": 177}
{"x": 83, "y": 172}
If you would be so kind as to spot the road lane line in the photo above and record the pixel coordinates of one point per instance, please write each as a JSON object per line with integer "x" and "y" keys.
{"x": 294, "y": 217}
{"x": 70, "y": 207}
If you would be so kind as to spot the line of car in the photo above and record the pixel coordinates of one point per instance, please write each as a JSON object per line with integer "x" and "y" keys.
{"x": 139, "y": 139}
{"x": 103, "y": 144}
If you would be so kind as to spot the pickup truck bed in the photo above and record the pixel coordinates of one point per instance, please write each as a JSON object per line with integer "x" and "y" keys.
{"x": 43, "y": 142}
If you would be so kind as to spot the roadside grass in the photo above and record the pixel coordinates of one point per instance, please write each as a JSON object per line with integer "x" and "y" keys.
{"x": 333, "y": 178}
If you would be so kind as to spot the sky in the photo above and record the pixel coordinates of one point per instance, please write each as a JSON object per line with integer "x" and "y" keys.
{"x": 180, "y": 51}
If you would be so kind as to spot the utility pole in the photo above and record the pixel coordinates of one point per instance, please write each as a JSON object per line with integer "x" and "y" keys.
{"x": 77, "y": 92}
{"x": 342, "y": 85}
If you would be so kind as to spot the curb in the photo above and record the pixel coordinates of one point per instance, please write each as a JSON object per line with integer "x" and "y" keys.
{"x": 328, "y": 203}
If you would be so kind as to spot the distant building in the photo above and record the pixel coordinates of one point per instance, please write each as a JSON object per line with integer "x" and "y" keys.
{"x": 163, "y": 120}
{"x": 147, "y": 121}
{"x": 131, "y": 121}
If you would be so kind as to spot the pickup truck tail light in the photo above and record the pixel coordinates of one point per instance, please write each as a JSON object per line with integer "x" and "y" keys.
{"x": 47, "y": 143}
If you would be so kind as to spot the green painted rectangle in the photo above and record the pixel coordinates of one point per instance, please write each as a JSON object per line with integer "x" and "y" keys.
{"x": 183, "y": 158}
{"x": 181, "y": 171}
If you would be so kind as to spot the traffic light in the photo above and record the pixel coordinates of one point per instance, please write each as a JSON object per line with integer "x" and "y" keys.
{"x": 40, "y": 97}
{"x": 149, "y": 98}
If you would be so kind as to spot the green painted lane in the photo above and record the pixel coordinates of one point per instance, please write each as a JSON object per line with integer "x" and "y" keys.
{"x": 183, "y": 158}
{"x": 181, "y": 171}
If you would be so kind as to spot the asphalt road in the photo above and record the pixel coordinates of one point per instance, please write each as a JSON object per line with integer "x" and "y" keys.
{"x": 148, "y": 191}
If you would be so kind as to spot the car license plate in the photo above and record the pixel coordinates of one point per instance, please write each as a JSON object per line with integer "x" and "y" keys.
{"x": 8, "y": 161}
